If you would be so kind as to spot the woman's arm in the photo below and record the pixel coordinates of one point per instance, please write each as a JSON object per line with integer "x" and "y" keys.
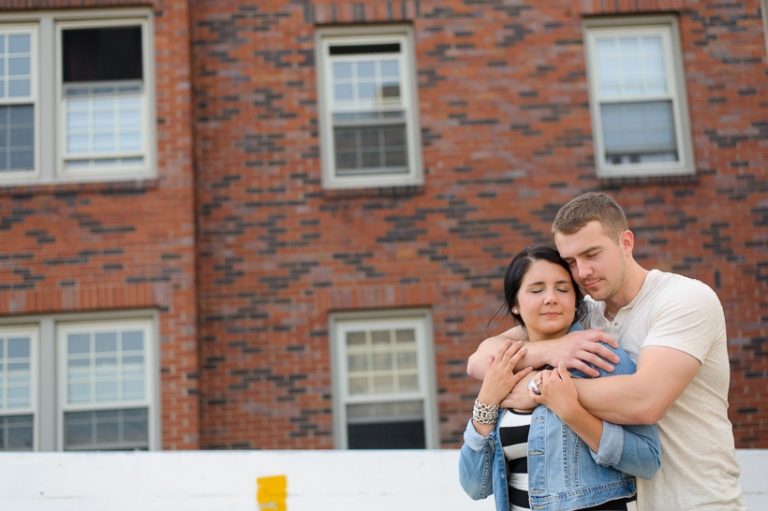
{"x": 475, "y": 464}
{"x": 501, "y": 378}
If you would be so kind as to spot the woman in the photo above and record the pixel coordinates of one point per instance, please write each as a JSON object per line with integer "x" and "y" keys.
{"x": 559, "y": 458}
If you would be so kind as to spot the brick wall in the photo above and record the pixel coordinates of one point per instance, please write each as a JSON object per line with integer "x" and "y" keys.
{"x": 506, "y": 137}
{"x": 97, "y": 247}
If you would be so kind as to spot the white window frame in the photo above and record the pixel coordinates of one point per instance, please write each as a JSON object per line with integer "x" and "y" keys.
{"x": 34, "y": 99}
{"x": 362, "y": 35}
{"x": 49, "y": 366}
{"x": 48, "y": 86}
{"x": 32, "y": 332}
{"x": 667, "y": 27}
{"x": 101, "y": 326}
{"x": 418, "y": 319}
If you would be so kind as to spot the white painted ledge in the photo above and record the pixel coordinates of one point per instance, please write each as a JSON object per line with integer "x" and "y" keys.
{"x": 316, "y": 481}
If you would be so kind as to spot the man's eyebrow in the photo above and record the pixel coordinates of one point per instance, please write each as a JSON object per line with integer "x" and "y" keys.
{"x": 589, "y": 249}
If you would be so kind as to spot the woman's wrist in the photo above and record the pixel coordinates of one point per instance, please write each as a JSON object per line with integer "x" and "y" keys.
{"x": 483, "y": 413}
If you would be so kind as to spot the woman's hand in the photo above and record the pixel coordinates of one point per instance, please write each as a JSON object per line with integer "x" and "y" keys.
{"x": 501, "y": 377}
{"x": 558, "y": 393}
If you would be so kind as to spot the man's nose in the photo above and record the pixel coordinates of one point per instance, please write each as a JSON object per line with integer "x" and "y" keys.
{"x": 583, "y": 269}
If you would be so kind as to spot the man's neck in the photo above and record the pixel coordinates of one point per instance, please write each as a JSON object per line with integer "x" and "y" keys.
{"x": 633, "y": 283}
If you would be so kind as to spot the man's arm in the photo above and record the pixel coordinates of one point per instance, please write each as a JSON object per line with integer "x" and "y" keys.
{"x": 576, "y": 349}
{"x": 644, "y": 397}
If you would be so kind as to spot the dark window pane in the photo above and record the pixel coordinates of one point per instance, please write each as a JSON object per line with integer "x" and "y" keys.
{"x": 16, "y": 433}
{"x": 102, "y": 54}
{"x": 365, "y": 48}
{"x": 17, "y": 137}
{"x": 387, "y": 435}
{"x": 107, "y": 430}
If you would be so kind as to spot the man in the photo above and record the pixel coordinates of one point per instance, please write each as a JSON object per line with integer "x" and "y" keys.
{"x": 674, "y": 328}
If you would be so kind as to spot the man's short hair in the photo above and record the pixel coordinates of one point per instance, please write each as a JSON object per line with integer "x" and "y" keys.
{"x": 590, "y": 206}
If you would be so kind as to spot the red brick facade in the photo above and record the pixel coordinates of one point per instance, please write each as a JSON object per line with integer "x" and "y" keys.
{"x": 244, "y": 254}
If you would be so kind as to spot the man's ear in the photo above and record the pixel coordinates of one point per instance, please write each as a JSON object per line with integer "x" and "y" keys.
{"x": 627, "y": 241}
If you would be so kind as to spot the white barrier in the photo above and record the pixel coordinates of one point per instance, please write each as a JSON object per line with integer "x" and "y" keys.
{"x": 253, "y": 480}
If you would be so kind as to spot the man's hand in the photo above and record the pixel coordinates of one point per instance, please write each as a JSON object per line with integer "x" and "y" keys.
{"x": 558, "y": 393}
{"x": 580, "y": 348}
{"x": 576, "y": 349}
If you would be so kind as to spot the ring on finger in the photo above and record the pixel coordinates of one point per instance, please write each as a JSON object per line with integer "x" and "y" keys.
{"x": 534, "y": 386}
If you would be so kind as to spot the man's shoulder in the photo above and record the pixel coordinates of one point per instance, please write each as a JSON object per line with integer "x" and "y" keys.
{"x": 666, "y": 283}
{"x": 674, "y": 292}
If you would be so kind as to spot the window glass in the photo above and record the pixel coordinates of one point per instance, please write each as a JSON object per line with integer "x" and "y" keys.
{"x": 15, "y": 65}
{"x": 16, "y": 432}
{"x": 107, "y": 397}
{"x": 639, "y": 132}
{"x": 17, "y": 127}
{"x": 15, "y": 373}
{"x": 366, "y": 91}
{"x": 369, "y": 126}
{"x": 104, "y": 99}
{"x": 381, "y": 377}
{"x": 102, "y": 54}
{"x": 105, "y": 367}
{"x": 107, "y": 430}
{"x": 16, "y": 423}
{"x": 638, "y": 107}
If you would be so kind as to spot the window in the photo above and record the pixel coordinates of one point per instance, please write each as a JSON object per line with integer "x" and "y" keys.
{"x": 637, "y": 98}
{"x": 369, "y": 127}
{"x": 18, "y": 100}
{"x": 97, "y": 385}
{"x": 85, "y": 84}
{"x": 17, "y": 393}
{"x": 384, "y": 396}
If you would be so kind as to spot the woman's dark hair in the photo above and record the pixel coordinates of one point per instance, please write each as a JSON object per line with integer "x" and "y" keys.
{"x": 513, "y": 278}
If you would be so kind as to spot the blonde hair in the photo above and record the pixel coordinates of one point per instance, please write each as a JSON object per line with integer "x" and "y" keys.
{"x": 588, "y": 207}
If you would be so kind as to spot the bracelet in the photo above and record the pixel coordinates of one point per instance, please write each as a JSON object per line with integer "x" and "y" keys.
{"x": 485, "y": 414}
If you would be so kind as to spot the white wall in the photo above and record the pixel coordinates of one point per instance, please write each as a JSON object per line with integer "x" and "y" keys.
{"x": 228, "y": 480}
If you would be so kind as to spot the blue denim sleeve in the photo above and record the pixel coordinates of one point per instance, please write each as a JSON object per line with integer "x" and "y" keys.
{"x": 475, "y": 463}
{"x": 635, "y": 450}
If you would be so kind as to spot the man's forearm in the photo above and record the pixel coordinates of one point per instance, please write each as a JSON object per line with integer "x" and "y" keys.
{"x": 615, "y": 399}
{"x": 642, "y": 397}
{"x": 477, "y": 364}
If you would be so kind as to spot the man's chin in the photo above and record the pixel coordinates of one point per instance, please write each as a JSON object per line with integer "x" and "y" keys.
{"x": 596, "y": 294}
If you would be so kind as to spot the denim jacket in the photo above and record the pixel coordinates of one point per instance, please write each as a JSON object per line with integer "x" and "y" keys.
{"x": 563, "y": 473}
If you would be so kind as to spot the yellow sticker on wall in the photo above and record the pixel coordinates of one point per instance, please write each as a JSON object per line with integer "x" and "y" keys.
{"x": 271, "y": 492}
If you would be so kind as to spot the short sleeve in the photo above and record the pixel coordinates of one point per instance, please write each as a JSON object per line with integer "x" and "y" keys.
{"x": 688, "y": 317}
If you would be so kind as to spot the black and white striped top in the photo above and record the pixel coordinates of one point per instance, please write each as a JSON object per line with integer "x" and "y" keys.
{"x": 513, "y": 434}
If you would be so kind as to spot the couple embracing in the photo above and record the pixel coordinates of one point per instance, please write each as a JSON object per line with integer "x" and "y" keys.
{"x": 630, "y": 413}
